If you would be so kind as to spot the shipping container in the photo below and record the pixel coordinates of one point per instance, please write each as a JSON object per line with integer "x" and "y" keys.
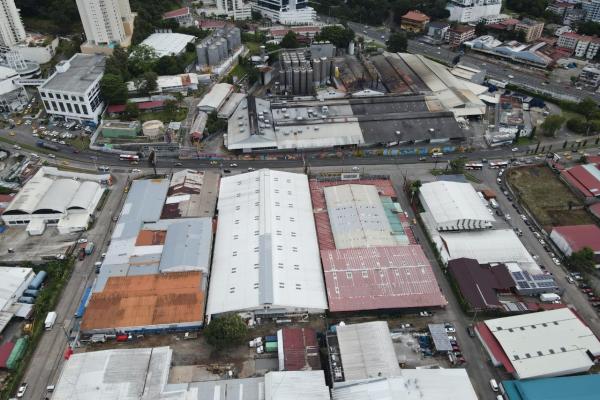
{"x": 17, "y": 353}
{"x": 83, "y": 302}
{"x": 271, "y": 338}
{"x": 36, "y": 282}
{"x": 271, "y": 347}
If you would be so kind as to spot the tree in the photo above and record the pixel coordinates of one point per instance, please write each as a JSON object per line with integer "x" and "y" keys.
{"x": 113, "y": 89}
{"x": 583, "y": 259}
{"x": 587, "y": 107}
{"x": 457, "y": 165}
{"x": 338, "y": 35}
{"x": 190, "y": 47}
{"x": 131, "y": 111}
{"x": 167, "y": 65}
{"x": 480, "y": 29}
{"x": 397, "y": 42}
{"x": 170, "y": 107}
{"x": 150, "y": 83}
{"x": 117, "y": 64}
{"x": 289, "y": 41}
{"x": 226, "y": 331}
{"x": 577, "y": 125}
{"x": 552, "y": 124}
{"x": 142, "y": 58}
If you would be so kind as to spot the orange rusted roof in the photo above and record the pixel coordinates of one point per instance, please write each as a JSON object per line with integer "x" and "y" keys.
{"x": 150, "y": 238}
{"x": 143, "y": 300}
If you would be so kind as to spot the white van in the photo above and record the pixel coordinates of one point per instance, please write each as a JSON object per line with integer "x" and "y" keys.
{"x": 494, "y": 385}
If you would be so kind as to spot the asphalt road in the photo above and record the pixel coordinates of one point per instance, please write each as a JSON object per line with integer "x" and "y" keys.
{"x": 571, "y": 295}
{"x": 45, "y": 365}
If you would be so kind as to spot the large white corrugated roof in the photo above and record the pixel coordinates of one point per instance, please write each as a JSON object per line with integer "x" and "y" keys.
{"x": 548, "y": 343}
{"x": 11, "y": 279}
{"x": 296, "y": 385}
{"x": 266, "y": 251}
{"x": 215, "y": 99}
{"x": 451, "y": 201}
{"x": 84, "y": 197}
{"x": 357, "y": 217}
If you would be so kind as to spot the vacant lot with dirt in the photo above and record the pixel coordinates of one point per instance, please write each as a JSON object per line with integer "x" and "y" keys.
{"x": 547, "y": 197}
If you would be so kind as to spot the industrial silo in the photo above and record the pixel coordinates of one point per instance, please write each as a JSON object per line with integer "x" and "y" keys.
{"x": 302, "y": 80}
{"x": 317, "y": 71}
{"x": 296, "y": 80}
{"x": 324, "y": 72}
{"x": 309, "y": 80}
{"x": 222, "y": 46}
{"x": 201, "y": 54}
{"x": 214, "y": 57}
{"x": 230, "y": 41}
{"x": 289, "y": 81}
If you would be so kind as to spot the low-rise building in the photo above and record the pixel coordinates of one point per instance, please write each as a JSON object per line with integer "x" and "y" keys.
{"x": 57, "y": 198}
{"x": 575, "y": 387}
{"x": 459, "y": 34}
{"x": 560, "y": 8}
{"x": 73, "y": 91}
{"x": 215, "y": 98}
{"x": 538, "y": 345}
{"x": 119, "y": 129}
{"x": 414, "y": 21}
{"x": 593, "y": 48}
{"x": 585, "y": 180}
{"x": 568, "y": 40}
{"x": 531, "y": 28}
{"x": 570, "y": 239}
{"x": 13, "y": 95}
{"x": 168, "y": 44}
{"x": 590, "y": 75}
{"x": 183, "y": 16}
{"x": 438, "y": 30}
{"x": 13, "y": 282}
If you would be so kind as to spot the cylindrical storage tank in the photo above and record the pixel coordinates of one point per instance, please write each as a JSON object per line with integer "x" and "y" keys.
{"x": 201, "y": 54}
{"x": 26, "y": 300}
{"x": 289, "y": 81}
{"x": 213, "y": 55}
{"x": 309, "y": 80}
{"x": 153, "y": 128}
{"x": 296, "y": 74}
{"x": 236, "y": 34}
{"x": 230, "y": 41}
{"x": 324, "y": 74}
{"x": 36, "y": 282}
{"x": 31, "y": 293}
{"x": 328, "y": 64}
{"x": 317, "y": 71}
{"x": 302, "y": 80}
{"x": 222, "y": 46}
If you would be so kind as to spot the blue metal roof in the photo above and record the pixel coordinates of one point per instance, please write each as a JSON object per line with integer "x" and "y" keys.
{"x": 582, "y": 387}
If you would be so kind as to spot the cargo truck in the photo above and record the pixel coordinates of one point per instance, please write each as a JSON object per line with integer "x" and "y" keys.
{"x": 50, "y": 320}
{"x": 46, "y": 145}
{"x": 549, "y": 297}
{"x": 89, "y": 248}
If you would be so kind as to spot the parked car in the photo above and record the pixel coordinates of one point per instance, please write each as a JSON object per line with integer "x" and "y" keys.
{"x": 21, "y": 390}
{"x": 470, "y": 331}
{"x": 425, "y": 314}
{"x": 570, "y": 280}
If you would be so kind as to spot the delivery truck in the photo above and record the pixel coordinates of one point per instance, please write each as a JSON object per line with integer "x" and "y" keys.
{"x": 50, "y": 320}
{"x": 549, "y": 297}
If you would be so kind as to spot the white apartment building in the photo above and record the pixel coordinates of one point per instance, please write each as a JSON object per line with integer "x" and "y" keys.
{"x": 106, "y": 22}
{"x": 592, "y": 10}
{"x": 286, "y": 12}
{"x": 236, "y": 9}
{"x": 73, "y": 91}
{"x": 493, "y": 19}
{"x": 582, "y": 46}
{"x": 11, "y": 26}
{"x": 568, "y": 40}
{"x": 472, "y": 10}
{"x": 593, "y": 48}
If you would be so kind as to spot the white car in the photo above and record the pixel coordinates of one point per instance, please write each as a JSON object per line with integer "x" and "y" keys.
{"x": 450, "y": 329}
{"x": 82, "y": 240}
{"x": 507, "y": 217}
{"x": 515, "y": 149}
{"x": 556, "y": 261}
{"x": 425, "y": 314}
{"x": 450, "y": 337}
{"x": 355, "y": 169}
{"x": 511, "y": 77}
{"x": 233, "y": 165}
{"x": 22, "y": 389}
{"x": 136, "y": 171}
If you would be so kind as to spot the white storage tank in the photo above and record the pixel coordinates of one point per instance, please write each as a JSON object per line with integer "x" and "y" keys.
{"x": 153, "y": 128}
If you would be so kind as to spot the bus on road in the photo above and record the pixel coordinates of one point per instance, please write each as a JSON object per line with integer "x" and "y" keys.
{"x": 129, "y": 157}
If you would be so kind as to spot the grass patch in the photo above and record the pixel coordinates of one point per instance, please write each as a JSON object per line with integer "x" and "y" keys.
{"x": 547, "y": 197}
{"x": 253, "y": 48}
{"x": 164, "y": 116}
{"x": 80, "y": 143}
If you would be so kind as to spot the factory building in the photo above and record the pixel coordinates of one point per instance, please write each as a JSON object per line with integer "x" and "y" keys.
{"x": 266, "y": 257}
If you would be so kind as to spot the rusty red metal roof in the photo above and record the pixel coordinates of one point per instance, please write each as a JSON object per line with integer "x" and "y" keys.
{"x": 379, "y": 278}
{"x": 300, "y": 349}
{"x": 580, "y": 236}
{"x": 180, "y": 12}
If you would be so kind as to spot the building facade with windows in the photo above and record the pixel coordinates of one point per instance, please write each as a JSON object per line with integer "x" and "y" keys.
{"x": 11, "y": 26}
{"x": 472, "y": 10}
{"x": 73, "y": 91}
{"x": 106, "y": 23}
{"x": 287, "y": 12}
{"x": 236, "y": 9}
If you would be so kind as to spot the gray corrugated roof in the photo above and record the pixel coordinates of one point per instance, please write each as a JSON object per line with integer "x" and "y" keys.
{"x": 440, "y": 337}
{"x": 187, "y": 244}
{"x": 84, "y": 70}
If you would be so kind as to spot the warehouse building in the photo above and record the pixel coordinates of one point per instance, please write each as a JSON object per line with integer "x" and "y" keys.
{"x": 570, "y": 239}
{"x": 143, "y": 374}
{"x": 13, "y": 282}
{"x": 168, "y": 44}
{"x": 453, "y": 206}
{"x": 542, "y": 344}
{"x": 389, "y": 120}
{"x": 191, "y": 193}
{"x": 422, "y": 384}
{"x": 58, "y": 198}
{"x": 580, "y": 387}
{"x": 215, "y": 98}
{"x": 369, "y": 257}
{"x": 298, "y": 349}
{"x": 266, "y": 257}
{"x": 584, "y": 179}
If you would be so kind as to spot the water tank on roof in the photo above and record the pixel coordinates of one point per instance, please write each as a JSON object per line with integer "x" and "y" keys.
{"x": 63, "y": 66}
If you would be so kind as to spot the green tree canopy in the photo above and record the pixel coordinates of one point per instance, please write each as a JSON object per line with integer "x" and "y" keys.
{"x": 131, "y": 111}
{"x": 150, "y": 83}
{"x": 551, "y": 124}
{"x": 338, "y": 35}
{"x": 397, "y": 42}
{"x": 167, "y": 65}
{"x": 289, "y": 41}
{"x": 587, "y": 107}
{"x": 113, "y": 89}
{"x": 583, "y": 259}
{"x": 457, "y": 165}
{"x": 142, "y": 59}
{"x": 117, "y": 64}
{"x": 226, "y": 331}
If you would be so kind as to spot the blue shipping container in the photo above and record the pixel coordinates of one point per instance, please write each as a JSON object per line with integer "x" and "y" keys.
{"x": 83, "y": 303}
{"x": 272, "y": 338}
